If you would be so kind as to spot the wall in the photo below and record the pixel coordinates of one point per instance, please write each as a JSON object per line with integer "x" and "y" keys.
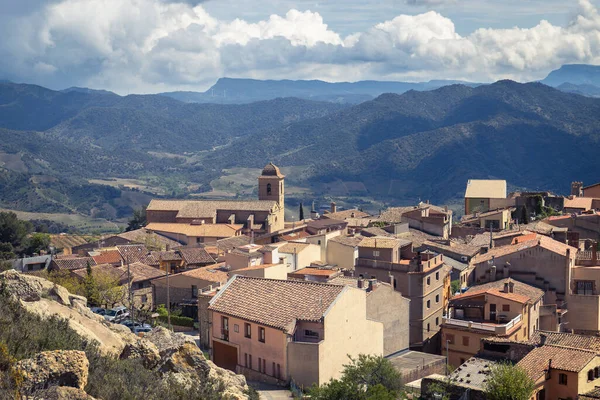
{"x": 348, "y": 332}
{"x": 472, "y": 205}
{"x": 583, "y": 314}
{"x": 204, "y": 321}
{"x": 323, "y": 242}
{"x": 238, "y": 261}
{"x": 180, "y": 288}
{"x": 556, "y": 391}
{"x": 161, "y": 216}
{"x": 341, "y": 255}
{"x": 389, "y": 307}
{"x": 386, "y": 255}
{"x": 272, "y": 350}
{"x": 584, "y": 385}
{"x": 303, "y": 258}
{"x": 278, "y": 271}
{"x": 593, "y": 191}
{"x": 304, "y": 362}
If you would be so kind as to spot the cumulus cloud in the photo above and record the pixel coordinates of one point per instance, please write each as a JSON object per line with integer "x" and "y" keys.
{"x": 428, "y": 3}
{"x": 155, "y": 45}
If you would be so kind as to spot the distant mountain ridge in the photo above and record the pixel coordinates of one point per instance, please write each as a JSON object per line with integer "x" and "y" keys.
{"x": 240, "y": 91}
{"x": 582, "y": 79}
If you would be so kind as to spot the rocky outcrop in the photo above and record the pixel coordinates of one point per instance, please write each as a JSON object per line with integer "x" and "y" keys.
{"x": 54, "y": 368}
{"x": 62, "y": 375}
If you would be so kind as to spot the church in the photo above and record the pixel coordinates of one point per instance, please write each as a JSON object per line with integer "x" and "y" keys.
{"x": 262, "y": 216}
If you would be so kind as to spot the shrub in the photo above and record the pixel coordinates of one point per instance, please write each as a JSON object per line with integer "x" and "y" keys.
{"x": 177, "y": 320}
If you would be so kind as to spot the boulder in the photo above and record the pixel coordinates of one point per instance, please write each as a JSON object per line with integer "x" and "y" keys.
{"x": 61, "y": 393}
{"x": 167, "y": 341}
{"x": 54, "y": 368}
{"x": 25, "y": 287}
{"x": 143, "y": 349}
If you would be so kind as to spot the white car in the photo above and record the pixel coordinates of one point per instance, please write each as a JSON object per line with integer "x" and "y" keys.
{"x": 116, "y": 314}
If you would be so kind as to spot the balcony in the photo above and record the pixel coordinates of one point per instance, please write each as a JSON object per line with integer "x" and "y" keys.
{"x": 496, "y": 329}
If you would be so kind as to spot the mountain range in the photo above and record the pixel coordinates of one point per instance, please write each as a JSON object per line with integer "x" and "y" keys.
{"x": 396, "y": 147}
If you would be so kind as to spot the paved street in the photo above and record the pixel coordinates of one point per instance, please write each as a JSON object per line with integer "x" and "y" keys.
{"x": 270, "y": 392}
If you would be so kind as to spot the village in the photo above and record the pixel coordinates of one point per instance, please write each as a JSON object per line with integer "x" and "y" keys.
{"x": 286, "y": 303}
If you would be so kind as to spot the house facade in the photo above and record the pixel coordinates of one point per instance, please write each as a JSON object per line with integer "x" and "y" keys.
{"x": 277, "y": 331}
{"x": 483, "y": 195}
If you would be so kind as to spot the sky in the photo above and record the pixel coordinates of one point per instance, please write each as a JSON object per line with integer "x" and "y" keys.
{"x": 149, "y": 46}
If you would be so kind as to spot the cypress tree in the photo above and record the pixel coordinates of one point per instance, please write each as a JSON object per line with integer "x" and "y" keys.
{"x": 301, "y": 213}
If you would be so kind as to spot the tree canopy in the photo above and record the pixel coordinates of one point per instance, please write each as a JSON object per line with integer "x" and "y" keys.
{"x": 508, "y": 382}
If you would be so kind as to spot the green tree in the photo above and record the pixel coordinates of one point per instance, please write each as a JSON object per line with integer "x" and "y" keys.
{"x": 364, "y": 378}
{"x": 301, "y": 213}
{"x": 524, "y": 215}
{"x": 36, "y": 243}
{"x": 90, "y": 287}
{"x": 455, "y": 286}
{"x": 508, "y": 382}
{"x": 138, "y": 220}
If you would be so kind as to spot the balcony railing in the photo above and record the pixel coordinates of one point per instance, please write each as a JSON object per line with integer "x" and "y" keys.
{"x": 498, "y": 329}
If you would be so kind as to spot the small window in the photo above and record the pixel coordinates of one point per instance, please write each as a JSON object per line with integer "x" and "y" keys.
{"x": 260, "y": 364}
{"x": 236, "y": 328}
{"x": 437, "y": 276}
{"x": 248, "y": 330}
{"x": 278, "y": 371}
{"x": 311, "y": 334}
{"x": 375, "y": 253}
{"x": 318, "y": 241}
{"x": 246, "y": 360}
{"x": 194, "y": 291}
{"x": 562, "y": 379}
{"x": 428, "y": 303}
{"x": 250, "y": 361}
{"x": 144, "y": 298}
{"x": 428, "y": 329}
{"x": 437, "y": 321}
{"x": 524, "y": 331}
{"x": 591, "y": 375}
{"x": 437, "y": 298}
{"x": 465, "y": 340}
{"x": 261, "y": 334}
{"x": 505, "y": 307}
{"x": 428, "y": 280}
{"x": 269, "y": 190}
{"x": 273, "y": 369}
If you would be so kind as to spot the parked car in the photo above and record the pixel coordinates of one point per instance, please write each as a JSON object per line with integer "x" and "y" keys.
{"x": 141, "y": 329}
{"x": 116, "y": 314}
{"x": 98, "y": 310}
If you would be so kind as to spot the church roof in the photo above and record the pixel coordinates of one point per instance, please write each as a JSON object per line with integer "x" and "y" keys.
{"x": 272, "y": 170}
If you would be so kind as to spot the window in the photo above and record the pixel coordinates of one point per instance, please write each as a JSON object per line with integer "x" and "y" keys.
{"x": 194, "y": 291}
{"x": 437, "y": 321}
{"x": 269, "y": 190}
{"x": 562, "y": 379}
{"x": 225, "y": 328}
{"x": 246, "y": 360}
{"x": 311, "y": 334}
{"x": 144, "y": 298}
{"x": 260, "y": 364}
{"x": 278, "y": 371}
{"x": 428, "y": 280}
{"x": 261, "y": 334}
{"x": 450, "y": 338}
{"x": 465, "y": 340}
{"x": 375, "y": 253}
{"x": 591, "y": 375}
{"x": 428, "y": 328}
{"x": 428, "y": 303}
{"x": 236, "y": 328}
{"x": 585, "y": 287}
{"x": 318, "y": 241}
{"x": 264, "y": 366}
{"x": 437, "y": 276}
{"x": 250, "y": 361}
{"x": 505, "y": 307}
{"x": 273, "y": 369}
{"x": 437, "y": 298}
{"x": 248, "y": 330}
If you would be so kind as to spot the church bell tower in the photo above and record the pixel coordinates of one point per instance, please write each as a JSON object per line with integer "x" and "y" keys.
{"x": 271, "y": 185}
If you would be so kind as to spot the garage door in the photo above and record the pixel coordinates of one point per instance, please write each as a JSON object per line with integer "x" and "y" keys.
{"x": 225, "y": 356}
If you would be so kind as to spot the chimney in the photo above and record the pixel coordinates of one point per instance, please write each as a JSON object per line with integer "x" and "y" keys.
{"x": 511, "y": 287}
{"x": 333, "y": 207}
{"x": 391, "y": 278}
{"x": 370, "y": 287}
{"x": 543, "y": 339}
{"x": 445, "y": 208}
{"x": 361, "y": 283}
{"x": 168, "y": 247}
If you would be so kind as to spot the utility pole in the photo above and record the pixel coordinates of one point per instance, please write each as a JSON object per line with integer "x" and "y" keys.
{"x": 131, "y": 306}
{"x": 168, "y": 300}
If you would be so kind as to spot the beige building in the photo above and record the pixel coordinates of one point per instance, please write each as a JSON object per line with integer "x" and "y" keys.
{"x": 265, "y": 215}
{"x": 194, "y": 234}
{"x": 277, "y": 331}
{"x": 499, "y": 219}
{"x": 342, "y": 251}
{"x": 299, "y": 255}
{"x": 322, "y": 240}
{"x": 506, "y": 308}
{"x": 424, "y": 217}
{"x": 422, "y": 279}
{"x": 484, "y": 194}
{"x": 267, "y": 271}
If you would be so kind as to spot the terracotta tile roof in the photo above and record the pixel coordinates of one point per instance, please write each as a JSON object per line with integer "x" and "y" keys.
{"x": 254, "y": 267}
{"x": 324, "y": 223}
{"x": 137, "y": 253}
{"x": 584, "y": 203}
{"x": 543, "y": 241}
{"x": 345, "y": 214}
{"x": 454, "y": 247}
{"x": 211, "y": 273}
{"x": 63, "y": 240}
{"x": 229, "y": 244}
{"x": 417, "y": 237}
{"x": 375, "y": 231}
{"x": 204, "y": 230}
{"x": 72, "y": 263}
{"x": 295, "y": 236}
{"x": 272, "y": 170}
{"x": 141, "y": 272}
{"x": 171, "y": 255}
{"x": 144, "y": 236}
{"x": 535, "y": 363}
{"x": 108, "y": 257}
{"x": 564, "y": 339}
{"x": 523, "y": 293}
{"x": 196, "y": 255}
{"x": 347, "y": 240}
{"x": 294, "y": 247}
{"x": 381, "y": 242}
{"x": 344, "y": 281}
{"x": 524, "y": 238}
{"x": 275, "y": 303}
{"x": 486, "y": 189}
{"x": 308, "y": 271}
{"x": 209, "y": 208}
{"x": 104, "y": 269}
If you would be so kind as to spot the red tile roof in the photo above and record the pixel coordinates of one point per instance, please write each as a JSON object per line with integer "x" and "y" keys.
{"x": 275, "y": 303}
{"x": 535, "y": 363}
{"x": 108, "y": 257}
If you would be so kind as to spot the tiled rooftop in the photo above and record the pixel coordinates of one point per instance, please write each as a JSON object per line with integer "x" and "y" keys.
{"x": 563, "y": 358}
{"x": 196, "y": 255}
{"x": 381, "y": 242}
{"x": 203, "y": 230}
{"x": 209, "y": 208}
{"x": 275, "y": 303}
{"x": 543, "y": 241}
{"x": 523, "y": 293}
{"x": 345, "y": 214}
{"x": 73, "y": 263}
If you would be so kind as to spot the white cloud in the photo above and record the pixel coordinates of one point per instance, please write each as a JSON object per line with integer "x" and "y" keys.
{"x": 154, "y": 45}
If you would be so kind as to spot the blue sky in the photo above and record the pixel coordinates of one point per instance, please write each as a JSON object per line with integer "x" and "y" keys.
{"x": 145, "y": 46}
